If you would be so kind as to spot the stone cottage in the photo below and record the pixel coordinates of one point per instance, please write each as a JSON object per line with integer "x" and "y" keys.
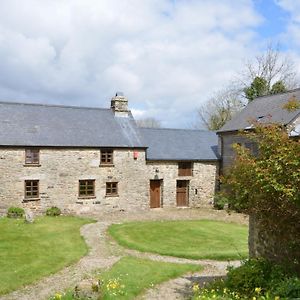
{"x": 87, "y": 159}
{"x": 266, "y": 109}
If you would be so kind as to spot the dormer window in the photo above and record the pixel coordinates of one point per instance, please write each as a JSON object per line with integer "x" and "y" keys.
{"x": 32, "y": 156}
{"x": 106, "y": 157}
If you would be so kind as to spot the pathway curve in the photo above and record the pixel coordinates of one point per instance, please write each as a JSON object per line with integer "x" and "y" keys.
{"x": 104, "y": 252}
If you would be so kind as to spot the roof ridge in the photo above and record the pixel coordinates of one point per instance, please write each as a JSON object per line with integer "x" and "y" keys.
{"x": 52, "y": 105}
{"x": 270, "y": 95}
{"x": 178, "y": 129}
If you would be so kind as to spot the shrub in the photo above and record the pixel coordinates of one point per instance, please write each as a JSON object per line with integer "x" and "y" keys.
{"x": 252, "y": 274}
{"x": 53, "y": 211}
{"x": 288, "y": 288}
{"x": 256, "y": 278}
{"x": 220, "y": 201}
{"x": 266, "y": 185}
{"x": 15, "y": 212}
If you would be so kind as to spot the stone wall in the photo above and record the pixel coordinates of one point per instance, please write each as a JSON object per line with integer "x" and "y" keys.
{"x": 201, "y": 185}
{"x": 61, "y": 169}
{"x": 280, "y": 244}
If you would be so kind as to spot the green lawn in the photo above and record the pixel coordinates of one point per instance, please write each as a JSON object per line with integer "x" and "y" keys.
{"x": 131, "y": 276}
{"x": 31, "y": 251}
{"x": 138, "y": 275}
{"x": 200, "y": 239}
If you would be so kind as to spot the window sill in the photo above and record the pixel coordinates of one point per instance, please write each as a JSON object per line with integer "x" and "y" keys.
{"x": 87, "y": 197}
{"x": 31, "y": 165}
{"x": 106, "y": 165}
{"x": 110, "y": 196}
{"x": 31, "y": 199}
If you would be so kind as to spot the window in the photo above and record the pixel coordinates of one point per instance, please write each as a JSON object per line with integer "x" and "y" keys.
{"x": 185, "y": 169}
{"x": 106, "y": 157}
{"x": 87, "y": 188}
{"x": 32, "y": 156}
{"x": 111, "y": 189}
{"x": 31, "y": 189}
{"x": 253, "y": 148}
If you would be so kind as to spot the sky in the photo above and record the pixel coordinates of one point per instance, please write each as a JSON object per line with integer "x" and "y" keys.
{"x": 167, "y": 56}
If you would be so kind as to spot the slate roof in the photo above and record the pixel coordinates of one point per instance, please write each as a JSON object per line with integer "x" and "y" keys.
{"x": 180, "y": 144}
{"x": 264, "y": 109}
{"x": 65, "y": 126}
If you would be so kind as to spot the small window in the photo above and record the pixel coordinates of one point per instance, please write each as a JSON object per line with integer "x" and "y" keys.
{"x": 32, "y": 156}
{"x": 87, "y": 188}
{"x": 252, "y": 147}
{"x": 111, "y": 189}
{"x": 106, "y": 157}
{"x": 185, "y": 169}
{"x": 31, "y": 189}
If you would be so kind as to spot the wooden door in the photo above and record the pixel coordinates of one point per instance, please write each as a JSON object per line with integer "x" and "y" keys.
{"x": 182, "y": 192}
{"x": 154, "y": 193}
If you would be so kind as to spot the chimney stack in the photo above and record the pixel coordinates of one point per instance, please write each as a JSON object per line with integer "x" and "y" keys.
{"x": 119, "y": 105}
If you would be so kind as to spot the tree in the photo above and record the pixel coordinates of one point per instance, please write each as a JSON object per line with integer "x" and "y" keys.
{"x": 219, "y": 109}
{"x": 257, "y": 88}
{"x": 267, "y": 186}
{"x": 269, "y": 73}
{"x": 149, "y": 123}
{"x": 278, "y": 87}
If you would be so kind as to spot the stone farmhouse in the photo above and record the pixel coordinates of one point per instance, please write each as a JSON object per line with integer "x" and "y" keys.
{"x": 266, "y": 109}
{"x": 89, "y": 159}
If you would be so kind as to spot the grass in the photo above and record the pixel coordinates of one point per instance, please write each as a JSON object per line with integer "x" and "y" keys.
{"x": 200, "y": 239}
{"x": 138, "y": 274}
{"x": 130, "y": 277}
{"x": 31, "y": 251}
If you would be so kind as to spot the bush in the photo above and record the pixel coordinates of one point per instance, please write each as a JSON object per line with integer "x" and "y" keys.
{"x": 252, "y": 274}
{"x": 15, "y": 212}
{"x": 220, "y": 201}
{"x": 289, "y": 288}
{"x": 53, "y": 211}
{"x": 256, "y": 278}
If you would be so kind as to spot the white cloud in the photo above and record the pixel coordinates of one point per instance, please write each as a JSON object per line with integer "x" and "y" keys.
{"x": 166, "y": 56}
{"x": 292, "y": 34}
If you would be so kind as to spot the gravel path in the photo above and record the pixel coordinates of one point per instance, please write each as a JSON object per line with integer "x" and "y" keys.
{"x": 99, "y": 256}
{"x": 181, "y": 287}
{"x": 104, "y": 252}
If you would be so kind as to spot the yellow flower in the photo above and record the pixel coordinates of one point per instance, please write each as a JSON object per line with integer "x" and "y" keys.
{"x": 57, "y": 296}
{"x": 195, "y": 287}
{"x": 277, "y": 298}
{"x": 257, "y": 290}
{"x": 254, "y": 298}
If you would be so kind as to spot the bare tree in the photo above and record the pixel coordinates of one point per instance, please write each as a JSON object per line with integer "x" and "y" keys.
{"x": 149, "y": 123}
{"x": 268, "y": 73}
{"x": 273, "y": 66}
{"x": 220, "y": 108}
